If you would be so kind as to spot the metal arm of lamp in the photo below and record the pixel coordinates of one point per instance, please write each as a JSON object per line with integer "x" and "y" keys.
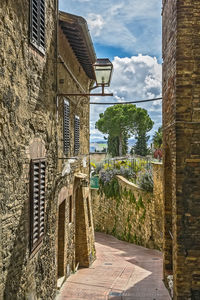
{"x": 103, "y": 71}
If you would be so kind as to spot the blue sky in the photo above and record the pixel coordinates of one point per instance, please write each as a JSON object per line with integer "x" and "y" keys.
{"x": 129, "y": 33}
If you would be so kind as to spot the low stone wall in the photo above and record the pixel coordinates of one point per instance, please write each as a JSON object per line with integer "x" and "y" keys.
{"x": 136, "y": 217}
{"x": 98, "y": 157}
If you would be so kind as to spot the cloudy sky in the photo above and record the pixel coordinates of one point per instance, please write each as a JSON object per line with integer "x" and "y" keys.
{"x": 128, "y": 32}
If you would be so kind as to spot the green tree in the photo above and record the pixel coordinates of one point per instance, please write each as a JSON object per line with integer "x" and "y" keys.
{"x": 113, "y": 145}
{"x": 120, "y": 122}
{"x": 158, "y": 138}
{"x": 141, "y": 147}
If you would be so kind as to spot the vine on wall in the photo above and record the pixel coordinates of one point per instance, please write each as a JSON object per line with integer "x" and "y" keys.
{"x": 129, "y": 212}
{"x": 129, "y": 221}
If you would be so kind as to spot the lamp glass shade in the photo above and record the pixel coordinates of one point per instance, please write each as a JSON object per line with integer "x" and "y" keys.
{"x": 103, "y": 71}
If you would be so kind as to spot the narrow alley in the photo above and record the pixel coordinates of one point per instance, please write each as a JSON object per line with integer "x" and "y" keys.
{"x": 121, "y": 271}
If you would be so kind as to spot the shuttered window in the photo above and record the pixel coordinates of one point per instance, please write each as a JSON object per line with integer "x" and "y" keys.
{"x": 37, "y": 201}
{"x": 37, "y": 24}
{"x": 76, "y": 135}
{"x": 66, "y": 132}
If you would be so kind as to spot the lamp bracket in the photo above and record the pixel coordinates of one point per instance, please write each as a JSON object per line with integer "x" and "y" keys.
{"x": 102, "y": 94}
{"x": 85, "y": 95}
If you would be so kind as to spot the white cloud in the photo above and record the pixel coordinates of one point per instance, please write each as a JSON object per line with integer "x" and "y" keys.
{"x": 135, "y": 78}
{"x": 132, "y": 25}
{"x": 105, "y": 29}
{"x": 95, "y": 23}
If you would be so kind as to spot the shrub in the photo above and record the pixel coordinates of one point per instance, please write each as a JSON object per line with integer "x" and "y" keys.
{"x": 145, "y": 180}
{"x": 107, "y": 174}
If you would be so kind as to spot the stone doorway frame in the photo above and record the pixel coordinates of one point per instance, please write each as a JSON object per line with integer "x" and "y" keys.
{"x": 61, "y": 240}
{"x": 81, "y": 251}
{"x": 62, "y": 197}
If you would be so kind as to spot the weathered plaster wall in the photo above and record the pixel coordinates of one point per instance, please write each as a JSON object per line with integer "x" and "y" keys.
{"x": 78, "y": 105}
{"x": 137, "y": 217}
{"x": 73, "y": 165}
{"x": 181, "y": 129}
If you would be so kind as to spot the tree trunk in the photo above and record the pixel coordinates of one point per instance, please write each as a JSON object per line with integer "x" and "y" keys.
{"x": 120, "y": 145}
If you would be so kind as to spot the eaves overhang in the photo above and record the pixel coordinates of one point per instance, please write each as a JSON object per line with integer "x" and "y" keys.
{"x": 77, "y": 33}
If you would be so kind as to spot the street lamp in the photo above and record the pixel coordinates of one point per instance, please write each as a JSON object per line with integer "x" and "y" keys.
{"x": 103, "y": 72}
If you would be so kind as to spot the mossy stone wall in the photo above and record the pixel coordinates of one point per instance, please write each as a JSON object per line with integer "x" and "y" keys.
{"x": 136, "y": 216}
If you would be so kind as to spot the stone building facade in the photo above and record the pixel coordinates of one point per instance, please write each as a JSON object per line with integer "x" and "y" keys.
{"x": 181, "y": 129}
{"x": 75, "y": 75}
{"x": 46, "y": 221}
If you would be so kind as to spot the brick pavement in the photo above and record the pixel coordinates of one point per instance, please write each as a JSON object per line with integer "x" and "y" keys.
{"x": 121, "y": 271}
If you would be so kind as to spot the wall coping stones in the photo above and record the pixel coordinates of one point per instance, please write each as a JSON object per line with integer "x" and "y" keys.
{"x": 131, "y": 184}
{"x": 157, "y": 163}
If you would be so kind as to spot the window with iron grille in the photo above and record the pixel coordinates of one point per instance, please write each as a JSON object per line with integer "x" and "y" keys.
{"x": 76, "y": 135}
{"x": 66, "y": 132}
{"x": 37, "y": 201}
{"x": 37, "y": 24}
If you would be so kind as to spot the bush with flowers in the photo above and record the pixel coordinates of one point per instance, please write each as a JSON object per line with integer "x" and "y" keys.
{"x": 108, "y": 182}
{"x": 137, "y": 171}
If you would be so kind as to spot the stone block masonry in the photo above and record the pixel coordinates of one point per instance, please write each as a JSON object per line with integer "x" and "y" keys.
{"x": 181, "y": 130}
{"x": 27, "y": 105}
{"x": 31, "y": 127}
{"x": 136, "y": 217}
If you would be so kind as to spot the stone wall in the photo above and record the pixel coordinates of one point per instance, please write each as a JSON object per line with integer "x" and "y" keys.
{"x": 74, "y": 169}
{"x": 31, "y": 127}
{"x": 137, "y": 216}
{"x": 27, "y": 115}
{"x": 181, "y": 130}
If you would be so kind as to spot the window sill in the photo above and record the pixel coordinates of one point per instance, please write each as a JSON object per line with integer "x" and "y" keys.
{"x": 36, "y": 250}
{"x": 40, "y": 50}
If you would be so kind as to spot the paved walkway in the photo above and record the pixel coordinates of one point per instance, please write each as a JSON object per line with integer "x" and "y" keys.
{"x": 121, "y": 271}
